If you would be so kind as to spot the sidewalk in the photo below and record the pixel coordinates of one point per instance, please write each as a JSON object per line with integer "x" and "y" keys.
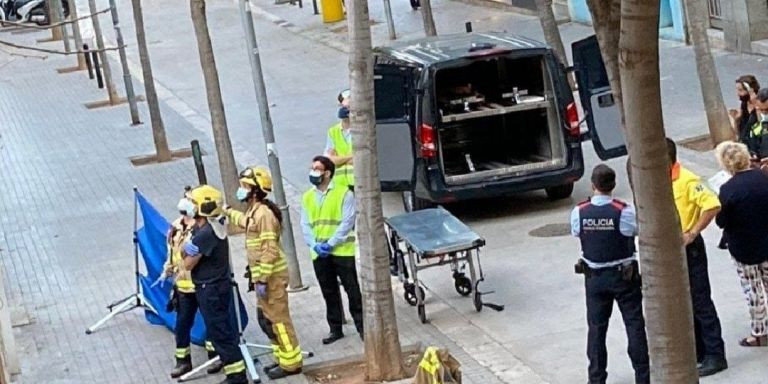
{"x": 66, "y": 251}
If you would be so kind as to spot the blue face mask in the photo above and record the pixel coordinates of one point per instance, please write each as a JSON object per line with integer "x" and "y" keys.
{"x": 242, "y": 194}
{"x": 315, "y": 177}
{"x": 343, "y": 113}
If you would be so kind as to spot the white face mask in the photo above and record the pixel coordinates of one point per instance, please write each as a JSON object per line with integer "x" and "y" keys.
{"x": 187, "y": 208}
{"x": 764, "y": 117}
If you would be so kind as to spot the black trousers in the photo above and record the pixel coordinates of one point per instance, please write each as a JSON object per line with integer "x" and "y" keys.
{"x": 603, "y": 287}
{"x": 215, "y": 301}
{"x": 329, "y": 271}
{"x": 185, "y": 318}
{"x": 709, "y": 339}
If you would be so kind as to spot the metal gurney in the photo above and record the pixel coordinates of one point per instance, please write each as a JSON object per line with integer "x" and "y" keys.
{"x": 430, "y": 238}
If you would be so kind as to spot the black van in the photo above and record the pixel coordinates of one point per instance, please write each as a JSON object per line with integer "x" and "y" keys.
{"x": 479, "y": 115}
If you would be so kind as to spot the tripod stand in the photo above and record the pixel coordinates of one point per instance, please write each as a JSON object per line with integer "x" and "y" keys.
{"x": 244, "y": 345}
{"x": 136, "y": 299}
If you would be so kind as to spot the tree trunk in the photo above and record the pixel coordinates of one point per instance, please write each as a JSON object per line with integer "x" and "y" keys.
{"x": 162, "y": 151}
{"x": 717, "y": 114}
{"x": 429, "y": 20}
{"x": 606, "y": 18}
{"x": 382, "y": 343}
{"x": 666, "y": 294}
{"x": 552, "y": 33}
{"x": 227, "y": 165}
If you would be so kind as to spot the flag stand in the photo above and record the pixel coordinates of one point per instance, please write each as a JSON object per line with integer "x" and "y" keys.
{"x": 136, "y": 299}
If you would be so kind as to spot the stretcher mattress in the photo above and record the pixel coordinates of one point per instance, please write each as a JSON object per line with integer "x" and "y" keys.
{"x": 433, "y": 232}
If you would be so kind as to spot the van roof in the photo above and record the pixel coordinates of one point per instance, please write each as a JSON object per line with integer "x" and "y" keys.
{"x": 434, "y": 49}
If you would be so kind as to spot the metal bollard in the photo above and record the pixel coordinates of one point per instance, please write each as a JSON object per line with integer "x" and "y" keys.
{"x": 88, "y": 61}
{"x": 96, "y": 68}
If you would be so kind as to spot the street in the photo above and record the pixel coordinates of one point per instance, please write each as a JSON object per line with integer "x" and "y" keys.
{"x": 539, "y": 338}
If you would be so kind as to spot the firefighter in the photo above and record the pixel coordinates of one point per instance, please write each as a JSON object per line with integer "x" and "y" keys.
{"x": 338, "y": 146}
{"x": 206, "y": 254}
{"x": 267, "y": 269}
{"x": 183, "y": 299}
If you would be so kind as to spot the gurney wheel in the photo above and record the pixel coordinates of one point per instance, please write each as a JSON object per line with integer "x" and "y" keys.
{"x": 478, "y": 299}
{"x": 422, "y": 313}
{"x": 410, "y": 294}
{"x": 463, "y": 285}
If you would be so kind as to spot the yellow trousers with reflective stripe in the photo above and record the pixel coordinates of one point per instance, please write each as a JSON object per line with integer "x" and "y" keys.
{"x": 275, "y": 308}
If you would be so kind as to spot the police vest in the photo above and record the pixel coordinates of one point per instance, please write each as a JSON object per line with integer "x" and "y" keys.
{"x": 344, "y": 175}
{"x": 601, "y": 240}
{"x": 325, "y": 217}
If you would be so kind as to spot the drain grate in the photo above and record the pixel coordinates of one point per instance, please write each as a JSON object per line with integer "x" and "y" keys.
{"x": 551, "y": 230}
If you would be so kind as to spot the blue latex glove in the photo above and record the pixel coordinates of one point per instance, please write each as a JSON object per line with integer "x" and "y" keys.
{"x": 191, "y": 249}
{"x": 261, "y": 290}
{"x": 322, "y": 249}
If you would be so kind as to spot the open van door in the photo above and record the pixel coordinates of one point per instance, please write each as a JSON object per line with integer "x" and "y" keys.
{"x": 601, "y": 111}
{"x": 394, "y": 101}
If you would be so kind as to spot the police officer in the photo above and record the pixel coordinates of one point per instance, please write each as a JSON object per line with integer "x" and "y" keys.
{"x": 607, "y": 230}
{"x": 697, "y": 206}
{"x": 327, "y": 223}
{"x": 267, "y": 268}
{"x": 338, "y": 146}
{"x": 183, "y": 300}
{"x": 207, "y": 256}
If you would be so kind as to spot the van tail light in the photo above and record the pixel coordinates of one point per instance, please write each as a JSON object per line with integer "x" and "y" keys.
{"x": 572, "y": 116}
{"x": 428, "y": 148}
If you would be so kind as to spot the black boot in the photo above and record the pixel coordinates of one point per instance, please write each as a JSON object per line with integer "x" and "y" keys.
{"x": 215, "y": 367}
{"x": 333, "y": 336}
{"x": 712, "y": 365}
{"x": 183, "y": 366}
{"x": 279, "y": 373}
{"x": 270, "y": 367}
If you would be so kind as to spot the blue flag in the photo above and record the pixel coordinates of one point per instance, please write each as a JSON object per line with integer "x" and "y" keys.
{"x": 151, "y": 240}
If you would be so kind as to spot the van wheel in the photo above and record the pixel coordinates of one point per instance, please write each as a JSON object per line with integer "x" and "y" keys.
{"x": 560, "y": 192}
{"x": 412, "y": 203}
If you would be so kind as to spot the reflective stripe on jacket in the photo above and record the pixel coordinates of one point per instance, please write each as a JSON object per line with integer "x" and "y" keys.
{"x": 262, "y": 240}
{"x": 175, "y": 263}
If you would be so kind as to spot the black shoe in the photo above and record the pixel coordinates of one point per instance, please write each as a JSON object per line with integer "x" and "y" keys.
{"x": 215, "y": 368}
{"x": 182, "y": 366}
{"x": 712, "y": 365}
{"x": 270, "y": 367}
{"x": 332, "y": 337}
{"x": 279, "y": 373}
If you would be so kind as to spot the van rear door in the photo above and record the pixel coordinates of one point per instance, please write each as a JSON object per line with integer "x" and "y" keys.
{"x": 602, "y": 113}
{"x": 394, "y": 101}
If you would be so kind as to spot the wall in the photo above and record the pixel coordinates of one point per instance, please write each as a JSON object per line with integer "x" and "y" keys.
{"x": 671, "y": 17}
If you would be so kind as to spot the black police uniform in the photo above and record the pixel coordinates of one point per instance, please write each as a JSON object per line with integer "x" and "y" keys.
{"x": 603, "y": 242}
{"x": 211, "y": 276}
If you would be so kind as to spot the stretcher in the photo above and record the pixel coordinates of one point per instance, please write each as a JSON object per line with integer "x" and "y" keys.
{"x": 432, "y": 238}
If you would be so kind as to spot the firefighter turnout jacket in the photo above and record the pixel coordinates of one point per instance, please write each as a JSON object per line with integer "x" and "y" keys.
{"x": 174, "y": 265}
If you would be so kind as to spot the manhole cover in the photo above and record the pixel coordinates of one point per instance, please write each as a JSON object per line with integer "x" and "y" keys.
{"x": 701, "y": 143}
{"x": 551, "y": 230}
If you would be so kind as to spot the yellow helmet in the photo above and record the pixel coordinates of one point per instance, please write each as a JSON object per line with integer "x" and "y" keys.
{"x": 208, "y": 200}
{"x": 257, "y": 177}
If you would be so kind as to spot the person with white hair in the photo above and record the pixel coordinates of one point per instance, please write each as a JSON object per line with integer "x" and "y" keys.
{"x": 744, "y": 219}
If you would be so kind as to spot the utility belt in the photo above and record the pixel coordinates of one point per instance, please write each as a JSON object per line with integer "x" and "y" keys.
{"x": 629, "y": 270}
